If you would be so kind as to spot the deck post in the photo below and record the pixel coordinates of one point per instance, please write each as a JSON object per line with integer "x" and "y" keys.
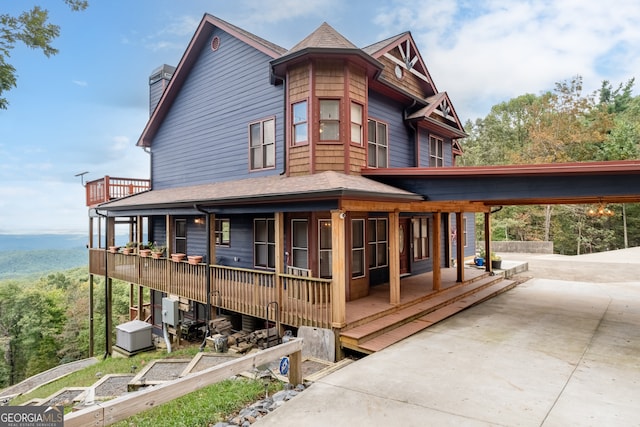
{"x": 394, "y": 257}
{"x": 487, "y": 241}
{"x": 459, "y": 249}
{"x": 279, "y": 270}
{"x": 338, "y": 269}
{"x": 437, "y": 237}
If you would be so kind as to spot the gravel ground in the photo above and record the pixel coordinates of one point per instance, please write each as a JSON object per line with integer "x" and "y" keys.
{"x": 112, "y": 386}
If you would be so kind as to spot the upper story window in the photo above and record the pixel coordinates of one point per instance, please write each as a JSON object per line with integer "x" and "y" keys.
{"x": 262, "y": 144}
{"x": 299, "y": 122}
{"x": 378, "y": 146}
{"x": 356, "y": 123}
{"x": 436, "y": 157}
{"x": 329, "y": 120}
{"x": 223, "y": 232}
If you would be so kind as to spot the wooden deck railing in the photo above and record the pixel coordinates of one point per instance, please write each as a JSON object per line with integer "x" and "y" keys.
{"x": 108, "y": 188}
{"x": 301, "y": 301}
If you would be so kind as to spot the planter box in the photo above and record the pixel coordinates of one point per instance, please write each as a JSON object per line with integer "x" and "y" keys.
{"x": 145, "y": 252}
{"x": 177, "y": 257}
{"x": 195, "y": 259}
{"x": 156, "y": 255}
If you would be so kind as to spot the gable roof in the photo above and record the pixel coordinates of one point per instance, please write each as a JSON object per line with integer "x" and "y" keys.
{"x": 327, "y": 184}
{"x": 439, "y": 111}
{"x": 189, "y": 58}
{"x": 411, "y": 58}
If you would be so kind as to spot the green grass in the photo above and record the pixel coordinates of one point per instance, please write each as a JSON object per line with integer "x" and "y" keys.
{"x": 206, "y": 406}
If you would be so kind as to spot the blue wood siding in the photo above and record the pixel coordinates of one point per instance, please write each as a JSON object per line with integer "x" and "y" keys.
{"x": 470, "y": 248}
{"x": 204, "y": 136}
{"x": 401, "y": 137}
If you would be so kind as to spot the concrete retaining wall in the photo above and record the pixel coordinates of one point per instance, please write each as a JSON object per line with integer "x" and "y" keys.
{"x": 520, "y": 247}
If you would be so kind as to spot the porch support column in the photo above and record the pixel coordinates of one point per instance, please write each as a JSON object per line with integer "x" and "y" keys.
{"x": 140, "y": 302}
{"x": 91, "y": 243}
{"x": 459, "y": 248}
{"x": 437, "y": 238}
{"x": 211, "y": 260}
{"x": 487, "y": 241}
{"x": 279, "y": 270}
{"x": 338, "y": 269}
{"x": 394, "y": 257}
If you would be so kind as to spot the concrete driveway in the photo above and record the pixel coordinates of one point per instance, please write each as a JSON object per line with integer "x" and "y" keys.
{"x": 550, "y": 352}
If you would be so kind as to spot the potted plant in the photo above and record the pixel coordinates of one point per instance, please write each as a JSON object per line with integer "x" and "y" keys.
{"x": 157, "y": 250}
{"x": 479, "y": 259}
{"x": 145, "y": 250}
{"x": 130, "y": 248}
{"x": 114, "y": 249}
{"x": 194, "y": 259}
{"x": 496, "y": 261}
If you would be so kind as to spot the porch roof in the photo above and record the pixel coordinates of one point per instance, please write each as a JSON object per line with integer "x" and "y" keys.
{"x": 278, "y": 188}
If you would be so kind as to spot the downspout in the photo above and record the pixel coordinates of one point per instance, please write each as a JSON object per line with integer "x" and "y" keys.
{"x": 107, "y": 306}
{"x": 208, "y": 271}
{"x": 284, "y": 120}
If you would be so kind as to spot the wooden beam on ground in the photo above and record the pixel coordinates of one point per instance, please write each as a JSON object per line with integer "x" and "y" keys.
{"x": 123, "y": 407}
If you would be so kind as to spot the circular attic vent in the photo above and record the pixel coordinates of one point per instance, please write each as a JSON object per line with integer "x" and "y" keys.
{"x": 215, "y": 43}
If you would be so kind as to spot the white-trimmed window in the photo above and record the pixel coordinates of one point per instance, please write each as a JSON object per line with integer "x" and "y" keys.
{"x": 264, "y": 242}
{"x": 436, "y": 156}
{"x": 356, "y": 123}
{"x": 357, "y": 248}
{"x": 262, "y": 144}
{"x": 300, "y": 243}
{"x": 223, "y": 231}
{"x": 420, "y": 230}
{"x": 181, "y": 236}
{"x": 378, "y": 243}
{"x": 378, "y": 146}
{"x": 329, "y": 120}
{"x": 324, "y": 248}
{"x": 299, "y": 121}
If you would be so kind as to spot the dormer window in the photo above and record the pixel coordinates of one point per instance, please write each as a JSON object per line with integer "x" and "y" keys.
{"x": 329, "y": 120}
{"x": 436, "y": 157}
{"x": 299, "y": 122}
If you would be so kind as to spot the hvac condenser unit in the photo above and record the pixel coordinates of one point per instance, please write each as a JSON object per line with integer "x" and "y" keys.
{"x": 134, "y": 336}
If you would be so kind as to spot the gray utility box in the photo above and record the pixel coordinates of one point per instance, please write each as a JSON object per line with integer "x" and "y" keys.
{"x": 134, "y": 336}
{"x": 170, "y": 314}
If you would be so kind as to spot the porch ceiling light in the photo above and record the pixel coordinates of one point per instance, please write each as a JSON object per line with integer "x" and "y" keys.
{"x": 601, "y": 211}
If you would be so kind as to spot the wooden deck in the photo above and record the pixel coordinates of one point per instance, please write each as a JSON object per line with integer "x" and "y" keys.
{"x": 374, "y": 324}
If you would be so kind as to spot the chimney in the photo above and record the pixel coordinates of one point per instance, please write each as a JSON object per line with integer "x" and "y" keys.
{"x": 158, "y": 81}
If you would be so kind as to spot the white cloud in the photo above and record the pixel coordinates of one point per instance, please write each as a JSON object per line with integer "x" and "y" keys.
{"x": 80, "y": 83}
{"x": 486, "y": 55}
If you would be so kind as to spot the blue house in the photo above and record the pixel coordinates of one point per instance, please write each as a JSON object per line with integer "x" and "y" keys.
{"x": 270, "y": 165}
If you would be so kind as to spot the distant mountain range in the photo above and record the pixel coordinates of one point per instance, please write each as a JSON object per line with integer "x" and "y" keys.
{"x": 22, "y": 242}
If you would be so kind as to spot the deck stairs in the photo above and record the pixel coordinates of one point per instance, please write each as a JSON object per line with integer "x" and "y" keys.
{"x": 376, "y": 333}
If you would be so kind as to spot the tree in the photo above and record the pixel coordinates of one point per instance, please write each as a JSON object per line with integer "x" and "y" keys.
{"x": 32, "y": 29}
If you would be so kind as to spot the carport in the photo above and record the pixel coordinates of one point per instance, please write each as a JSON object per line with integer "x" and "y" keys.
{"x": 542, "y": 184}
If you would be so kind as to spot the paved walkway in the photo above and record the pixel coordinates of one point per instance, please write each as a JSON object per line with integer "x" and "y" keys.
{"x": 562, "y": 349}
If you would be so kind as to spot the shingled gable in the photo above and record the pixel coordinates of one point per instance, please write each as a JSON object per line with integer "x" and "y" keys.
{"x": 327, "y": 184}
{"x": 326, "y": 41}
{"x": 189, "y": 58}
{"x": 410, "y": 57}
{"x": 439, "y": 112}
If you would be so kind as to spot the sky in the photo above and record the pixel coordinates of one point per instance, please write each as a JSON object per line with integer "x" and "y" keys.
{"x": 83, "y": 109}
